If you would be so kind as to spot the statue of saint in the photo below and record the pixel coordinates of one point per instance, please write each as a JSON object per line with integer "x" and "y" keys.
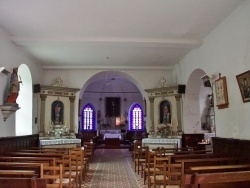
{"x": 14, "y": 87}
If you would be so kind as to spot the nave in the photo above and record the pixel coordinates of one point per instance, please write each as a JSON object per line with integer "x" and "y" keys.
{"x": 112, "y": 168}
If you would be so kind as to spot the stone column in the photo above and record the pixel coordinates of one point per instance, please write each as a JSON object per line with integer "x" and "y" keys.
{"x": 42, "y": 114}
{"x": 178, "y": 107}
{"x": 151, "y": 100}
{"x": 72, "y": 114}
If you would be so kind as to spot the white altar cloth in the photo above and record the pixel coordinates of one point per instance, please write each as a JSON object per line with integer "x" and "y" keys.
{"x": 60, "y": 141}
{"x": 109, "y": 135}
{"x": 156, "y": 142}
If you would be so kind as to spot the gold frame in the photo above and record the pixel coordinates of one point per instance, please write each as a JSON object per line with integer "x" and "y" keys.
{"x": 221, "y": 93}
{"x": 244, "y": 89}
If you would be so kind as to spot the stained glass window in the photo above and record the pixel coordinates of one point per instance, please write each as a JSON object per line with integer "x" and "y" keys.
{"x": 88, "y": 117}
{"x": 136, "y": 117}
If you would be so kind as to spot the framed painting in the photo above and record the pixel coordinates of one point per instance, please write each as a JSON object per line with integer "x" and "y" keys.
{"x": 221, "y": 93}
{"x": 244, "y": 85}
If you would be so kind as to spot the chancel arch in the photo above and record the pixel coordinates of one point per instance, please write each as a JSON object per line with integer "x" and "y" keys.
{"x": 111, "y": 93}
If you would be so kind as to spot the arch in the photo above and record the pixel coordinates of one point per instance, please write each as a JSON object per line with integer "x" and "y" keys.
{"x": 195, "y": 103}
{"x": 110, "y": 84}
{"x": 136, "y": 117}
{"x": 106, "y": 76}
{"x": 88, "y": 117}
{"x": 25, "y": 101}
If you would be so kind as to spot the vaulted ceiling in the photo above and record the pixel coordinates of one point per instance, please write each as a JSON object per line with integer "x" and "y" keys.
{"x": 111, "y": 33}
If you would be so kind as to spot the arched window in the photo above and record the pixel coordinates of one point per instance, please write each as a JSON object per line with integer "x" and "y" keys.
{"x": 88, "y": 117}
{"x": 136, "y": 117}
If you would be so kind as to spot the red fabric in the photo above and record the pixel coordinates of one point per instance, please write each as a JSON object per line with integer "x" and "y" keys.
{"x": 12, "y": 98}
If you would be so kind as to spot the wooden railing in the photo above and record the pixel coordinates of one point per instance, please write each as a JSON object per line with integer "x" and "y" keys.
{"x": 10, "y": 144}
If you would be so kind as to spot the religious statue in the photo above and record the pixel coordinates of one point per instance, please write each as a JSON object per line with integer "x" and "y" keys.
{"x": 57, "y": 112}
{"x": 14, "y": 87}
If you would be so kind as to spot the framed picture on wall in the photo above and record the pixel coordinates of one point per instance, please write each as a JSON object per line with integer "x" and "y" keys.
{"x": 244, "y": 85}
{"x": 221, "y": 92}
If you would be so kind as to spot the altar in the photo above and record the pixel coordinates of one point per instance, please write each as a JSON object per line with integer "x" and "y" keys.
{"x": 162, "y": 142}
{"x": 60, "y": 143}
{"x": 112, "y": 135}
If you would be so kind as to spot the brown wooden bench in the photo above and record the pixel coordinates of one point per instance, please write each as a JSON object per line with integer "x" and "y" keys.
{"x": 191, "y": 156}
{"x": 56, "y": 155}
{"x": 17, "y": 173}
{"x": 215, "y": 169}
{"x": 219, "y": 168}
{"x": 21, "y": 166}
{"x": 192, "y": 152}
{"x": 221, "y": 180}
{"x": 186, "y": 163}
{"x": 50, "y": 160}
{"x": 23, "y": 182}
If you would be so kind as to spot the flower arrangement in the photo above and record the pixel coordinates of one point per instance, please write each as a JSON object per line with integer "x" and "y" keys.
{"x": 164, "y": 129}
{"x": 161, "y": 129}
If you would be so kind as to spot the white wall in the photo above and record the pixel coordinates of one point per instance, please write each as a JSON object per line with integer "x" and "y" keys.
{"x": 227, "y": 51}
{"x": 13, "y": 56}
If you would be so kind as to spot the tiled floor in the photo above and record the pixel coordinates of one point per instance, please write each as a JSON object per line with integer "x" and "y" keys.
{"x": 112, "y": 168}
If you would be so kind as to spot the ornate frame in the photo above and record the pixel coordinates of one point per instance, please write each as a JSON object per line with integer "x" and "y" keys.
{"x": 221, "y": 92}
{"x": 243, "y": 80}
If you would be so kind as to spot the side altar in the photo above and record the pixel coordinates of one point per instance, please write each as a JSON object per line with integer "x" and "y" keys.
{"x": 60, "y": 143}
{"x": 165, "y": 110}
{"x": 56, "y": 111}
{"x": 153, "y": 143}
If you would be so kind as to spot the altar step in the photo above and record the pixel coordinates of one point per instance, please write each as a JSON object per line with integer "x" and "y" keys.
{"x": 113, "y": 144}
{"x": 121, "y": 146}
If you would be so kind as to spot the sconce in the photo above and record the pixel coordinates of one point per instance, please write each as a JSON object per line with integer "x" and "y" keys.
{"x": 7, "y": 110}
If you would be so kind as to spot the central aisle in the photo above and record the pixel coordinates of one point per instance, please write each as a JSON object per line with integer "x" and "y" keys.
{"x": 112, "y": 168}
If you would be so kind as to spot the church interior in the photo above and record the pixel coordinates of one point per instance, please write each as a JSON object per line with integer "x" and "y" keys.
{"x": 122, "y": 78}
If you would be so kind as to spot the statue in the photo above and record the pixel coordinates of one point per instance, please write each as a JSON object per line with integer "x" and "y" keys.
{"x": 14, "y": 87}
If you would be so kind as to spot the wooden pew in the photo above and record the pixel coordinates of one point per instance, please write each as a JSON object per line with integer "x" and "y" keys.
{"x": 23, "y": 166}
{"x": 17, "y": 173}
{"x": 23, "y": 182}
{"x": 188, "y": 177}
{"x": 191, "y": 166}
{"x": 46, "y": 151}
{"x": 221, "y": 180}
{"x": 191, "y": 156}
{"x": 25, "y": 154}
{"x": 192, "y": 152}
{"x": 186, "y": 163}
{"x": 219, "y": 168}
{"x": 50, "y": 160}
